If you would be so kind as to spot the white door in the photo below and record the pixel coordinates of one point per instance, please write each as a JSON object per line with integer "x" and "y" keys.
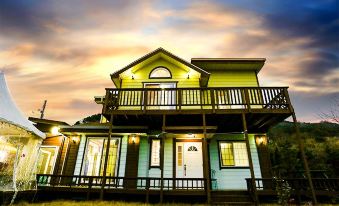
{"x": 189, "y": 163}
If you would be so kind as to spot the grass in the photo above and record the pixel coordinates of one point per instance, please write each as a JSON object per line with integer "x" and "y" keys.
{"x": 113, "y": 203}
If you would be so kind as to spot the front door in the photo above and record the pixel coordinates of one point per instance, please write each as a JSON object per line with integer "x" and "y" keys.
{"x": 189, "y": 162}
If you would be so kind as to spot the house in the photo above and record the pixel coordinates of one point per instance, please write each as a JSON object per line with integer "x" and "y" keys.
{"x": 173, "y": 128}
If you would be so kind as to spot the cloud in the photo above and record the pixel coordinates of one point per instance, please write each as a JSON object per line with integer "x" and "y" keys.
{"x": 64, "y": 51}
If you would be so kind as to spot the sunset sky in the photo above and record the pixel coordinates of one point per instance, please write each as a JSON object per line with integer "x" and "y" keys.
{"x": 64, "y": 50}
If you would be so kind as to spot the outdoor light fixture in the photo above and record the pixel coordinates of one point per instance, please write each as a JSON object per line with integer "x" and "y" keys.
{"x": 74, "y": 139}
{"x": 132, "y": 76}
{"x": 190, "y": 135}
{"x": 261, "y": 140}
{"x": 133, "y": 139}
{"x": 55, "y": 130}
{"x": 188, "y": 75}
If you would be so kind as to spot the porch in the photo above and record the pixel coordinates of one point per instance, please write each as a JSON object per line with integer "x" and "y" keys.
{"x": 89, "y": 187}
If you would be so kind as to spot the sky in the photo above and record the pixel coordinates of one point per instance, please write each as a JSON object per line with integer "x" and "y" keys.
{"x": 64, "y": 50}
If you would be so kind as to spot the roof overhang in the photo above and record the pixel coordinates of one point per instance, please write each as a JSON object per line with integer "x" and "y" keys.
{"x": 238, "y": 64}
{"x": 160, "y": 52}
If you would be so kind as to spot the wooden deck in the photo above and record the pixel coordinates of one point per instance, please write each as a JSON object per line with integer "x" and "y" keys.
{"x": 263, "y": 106}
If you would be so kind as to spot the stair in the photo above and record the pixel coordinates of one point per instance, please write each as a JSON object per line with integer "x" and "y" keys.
{"x": 231, "y": 198}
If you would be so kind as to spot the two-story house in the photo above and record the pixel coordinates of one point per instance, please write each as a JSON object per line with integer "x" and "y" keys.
{"x": 176, "y": 128}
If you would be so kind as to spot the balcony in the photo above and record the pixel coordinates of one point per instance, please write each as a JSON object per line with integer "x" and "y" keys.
{"x": 261, "y": 104}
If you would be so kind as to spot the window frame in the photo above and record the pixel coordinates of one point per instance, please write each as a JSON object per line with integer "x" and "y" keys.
{"x": 231, "y": 166}
{"x": 150, "y": 153}
{"x": 169, "y": 71}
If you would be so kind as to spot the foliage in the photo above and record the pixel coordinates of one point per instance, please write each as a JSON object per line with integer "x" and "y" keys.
{"x": 321, "y": 147}
{"x": 89, "y": 119}
{"x": 284, "y": 191}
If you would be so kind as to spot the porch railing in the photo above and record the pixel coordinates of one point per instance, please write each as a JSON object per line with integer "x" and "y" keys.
{"x": 196, "y": 98}
{"x": 321, "y": 186}
{"x": 142, "y": 183}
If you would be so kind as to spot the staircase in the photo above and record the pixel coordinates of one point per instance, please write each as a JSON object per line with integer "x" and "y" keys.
{"x": 231, "y": 198}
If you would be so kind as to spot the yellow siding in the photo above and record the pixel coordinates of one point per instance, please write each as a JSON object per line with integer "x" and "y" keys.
{"x": 232, "y": 79}
{"x": 179, "y": 74}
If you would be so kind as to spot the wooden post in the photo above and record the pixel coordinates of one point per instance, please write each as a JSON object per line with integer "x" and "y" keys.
{"x": 106, "y": 158}
{"x": 162, "y": 158}
{"x": 254, "y": 188}
{"x": 205, "y": 161}
{"x": 303, "y": 157}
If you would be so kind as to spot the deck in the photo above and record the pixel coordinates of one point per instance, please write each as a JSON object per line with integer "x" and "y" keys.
{"x": 144, "y": 188}
{"x": 263, "y": 106}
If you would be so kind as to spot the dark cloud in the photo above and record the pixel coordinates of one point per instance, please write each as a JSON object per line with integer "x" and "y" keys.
{"x": 322, "y": 64}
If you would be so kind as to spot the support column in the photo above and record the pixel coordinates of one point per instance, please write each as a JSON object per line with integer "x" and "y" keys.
{"x": 254, "y": 188}
{"x": 303, "y": 157}
{"x": 162, "y": 158}
{"x": 106, "y": 158}
{"x": 205, "y": 161}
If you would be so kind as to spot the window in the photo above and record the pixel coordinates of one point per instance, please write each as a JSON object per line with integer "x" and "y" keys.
{"x": 155, "y": 153}
{"x": 192, "y": 148}
{"x": 94, "y": 159}
{"x": 233, "y": 154}
{"x": 160, "y": 73}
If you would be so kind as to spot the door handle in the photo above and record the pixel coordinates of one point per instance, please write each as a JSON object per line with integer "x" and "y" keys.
{"x": 185, "y": 169}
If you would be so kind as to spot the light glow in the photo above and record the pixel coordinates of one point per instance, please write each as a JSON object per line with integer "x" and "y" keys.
{"x": 55, "y": 130}
{"x": 3, "y": 155}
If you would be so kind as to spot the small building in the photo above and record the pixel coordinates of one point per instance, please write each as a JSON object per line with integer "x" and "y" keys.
{"x": 19, "y": 145}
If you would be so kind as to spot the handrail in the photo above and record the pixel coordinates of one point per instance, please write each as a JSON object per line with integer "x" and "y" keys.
{"x": 143, "y": 183}
{"x": 215, "y": 98}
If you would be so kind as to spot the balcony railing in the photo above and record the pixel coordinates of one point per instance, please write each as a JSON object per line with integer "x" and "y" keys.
{"x": 217, "y": 98}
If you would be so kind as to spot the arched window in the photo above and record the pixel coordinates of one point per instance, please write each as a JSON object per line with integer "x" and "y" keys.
{"x": 192, "y": 148}
{"x": 160, "y": 73}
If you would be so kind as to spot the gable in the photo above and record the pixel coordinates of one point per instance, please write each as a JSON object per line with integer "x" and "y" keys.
{"x": 160, "y": 56}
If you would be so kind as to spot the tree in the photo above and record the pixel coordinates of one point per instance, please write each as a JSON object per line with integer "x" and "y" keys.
{"x": 333, "y": 114}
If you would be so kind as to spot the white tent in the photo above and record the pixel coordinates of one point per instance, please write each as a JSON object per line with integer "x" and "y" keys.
{"x": 19, "y": 144}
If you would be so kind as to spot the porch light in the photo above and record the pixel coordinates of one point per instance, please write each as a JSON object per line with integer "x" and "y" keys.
{"x": 132, "y": 75}
{"x": 190, "y": 135}
{"x": 261, "y": 140}
{"x": 55, "y": 130}
{"x": 75, "y": 139}
{"x": 188, "y": 75}
{"x": 133, "y": 139}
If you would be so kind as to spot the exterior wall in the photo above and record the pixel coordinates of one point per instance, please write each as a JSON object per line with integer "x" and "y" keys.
{"x": 233, "y": 79}
{"x": 232, "y": 178}
{"x": 179, "y": 74}
{"x": 144, "y": 170}
{"x": 123, "y": 154}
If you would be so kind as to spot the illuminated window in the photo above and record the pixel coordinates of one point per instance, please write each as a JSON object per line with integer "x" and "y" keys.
{"x": 233, "y": 154}
{"x": 179, "y": 155}
{"x": 160, "y": 73}
{"x": 155, "y": 153}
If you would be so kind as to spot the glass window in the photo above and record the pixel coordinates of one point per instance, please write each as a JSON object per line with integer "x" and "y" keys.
{"x": 46, "y": 161}
{"x": 160, "y": 72}
{"x": 233, "y": 154}
{"x": 94, "y": 159}
{"x": 155, "y": 153}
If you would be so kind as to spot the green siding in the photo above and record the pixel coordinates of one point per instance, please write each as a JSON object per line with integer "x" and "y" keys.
{"x": 232, "y": 79}
{"x": 179, "y": 74}
{"x": 229, "y": 179}
{"x": 143, "y": 168}
{"x": 123, "y": 153}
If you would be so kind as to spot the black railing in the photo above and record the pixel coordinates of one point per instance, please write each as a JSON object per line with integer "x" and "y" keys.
{"x": 143, "y": 183}
{"x": 196, "y": 98}
{"x": 329, "y": 185}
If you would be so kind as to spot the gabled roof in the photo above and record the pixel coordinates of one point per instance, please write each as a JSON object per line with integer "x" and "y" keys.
{"x": 9, "y": 112}
{"x": 204, "y": 74}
